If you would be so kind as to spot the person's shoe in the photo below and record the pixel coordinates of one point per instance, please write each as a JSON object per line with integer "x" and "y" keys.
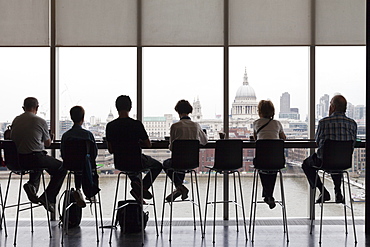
{"x": 136, "y": 187}
{"x": 270, "y": 201}
{"x": 49, "y": 206}
{"x": 339, "y": 198}
{"x": 91, "y": 199}
{"x": 137, "y": 196}
{"x": 184, "y": 191}
{"x": 176, "y": 193}
{"x": 31, "y": 192}
{"x": 79, "y": 198}
{"x": 326, "y": 197}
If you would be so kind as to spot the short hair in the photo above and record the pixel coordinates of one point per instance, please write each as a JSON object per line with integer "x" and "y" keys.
{"x": 77, "y": 113}
{"x": 339, "y": 102}
{"x": 30, "y": 103}
{"x": 266, "y": 109}
{"x": 183, "y": 106}
{"x": 123, "y": 102}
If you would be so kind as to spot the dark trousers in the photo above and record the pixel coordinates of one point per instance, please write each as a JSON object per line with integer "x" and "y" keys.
{"x": 178, "y": 177}
{"x": 40, "y": 161}
{"x": 268, "y": 180}
{"x": 155, "y": 167}
{"x": 309, "y": 167}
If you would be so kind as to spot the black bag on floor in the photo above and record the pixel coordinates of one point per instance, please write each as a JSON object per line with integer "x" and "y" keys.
{"x": 129, "y": 216}
{"x": 74, "y": 212}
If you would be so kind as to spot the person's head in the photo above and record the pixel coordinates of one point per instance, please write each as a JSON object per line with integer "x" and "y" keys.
{"x": 183, "y": 107}
{"x": 266, "y": 109}
{"x": 30, "y": 104}
{"x": 123, "y": 103}
{"x": 338, "y": 104}
{"x": 77, "y": 114}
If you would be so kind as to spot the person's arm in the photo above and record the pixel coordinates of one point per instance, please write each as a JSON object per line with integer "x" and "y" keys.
{"x": 110, "y": 149}
{"x": 282, "y": 135}
{"x": 145, "y": 143}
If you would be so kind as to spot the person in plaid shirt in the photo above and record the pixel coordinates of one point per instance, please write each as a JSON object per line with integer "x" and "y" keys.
{"x": 337, "y": 126}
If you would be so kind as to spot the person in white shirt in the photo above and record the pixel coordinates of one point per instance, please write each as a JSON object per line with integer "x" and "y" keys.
{"x": 181, "y": 130}
{"x": 267, "y": 128}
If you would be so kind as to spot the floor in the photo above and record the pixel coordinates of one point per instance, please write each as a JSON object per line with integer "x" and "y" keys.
{"x": 268, "y": 232}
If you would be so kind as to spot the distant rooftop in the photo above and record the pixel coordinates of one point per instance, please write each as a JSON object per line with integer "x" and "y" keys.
{"x": 154, "y": 119}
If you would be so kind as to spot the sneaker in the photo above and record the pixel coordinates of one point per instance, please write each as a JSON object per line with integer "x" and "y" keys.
{"x": 48, "y": 206}
{"x": 31, "y": 192}
{"x": 270, "y": 201}
{"x": 339, "y": 198}
{"x": 136, "y": 187}
{"x": 184, "y": 191}
{"x": 79, "y": 198}
{"x": 176, "y": 193}
{"x": 326, "y": 197}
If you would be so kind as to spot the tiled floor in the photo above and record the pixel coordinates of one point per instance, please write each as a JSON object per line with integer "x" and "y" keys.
{"x": 269, "y": 232}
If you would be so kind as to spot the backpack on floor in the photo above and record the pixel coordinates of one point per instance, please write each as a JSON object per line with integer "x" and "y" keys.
{"x": 74, "y": 212}
{"x": 129, "y": 216}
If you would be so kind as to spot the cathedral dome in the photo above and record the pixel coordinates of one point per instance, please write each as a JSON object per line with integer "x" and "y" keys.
{"x": 245, "y": 92}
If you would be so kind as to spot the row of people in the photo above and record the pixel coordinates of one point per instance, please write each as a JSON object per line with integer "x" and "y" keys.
{"x": 124, "y": 134}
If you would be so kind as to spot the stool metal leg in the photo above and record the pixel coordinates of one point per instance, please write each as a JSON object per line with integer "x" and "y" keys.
{"x": 236, "y": 205}
{"x": 214, "y": 210}
{"x": 47, "y": 204}
{"x": 313, "y": 201}
{"x": 255, "y": 204}
{"x": 206, "y": 202}
{"x": 322, "y": 204}
{"x": 113, "y": 225}
{"x": 351, "y": 203}
{"x": 66, "y": 204}
{"x": 193, "y": 199}
{"x": 164, "y": 202}
{"x": 5, "y": 200}
{"x": 285, "y": 218}
{"x": 101, "y": 213}
{"x": 344, "y": 205}
{"x": 171, "y": 205}
{"x": 17, "y": 215}
{"x": 252, "y": 201}
{"x": 199, "y": 207}
{"x": 243, "y": 209}
{"x": 154, "y": 205}
{"x": 96, "y": 222}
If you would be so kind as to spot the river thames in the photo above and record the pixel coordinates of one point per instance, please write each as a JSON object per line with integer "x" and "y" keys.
{"x": 296, "y": 193}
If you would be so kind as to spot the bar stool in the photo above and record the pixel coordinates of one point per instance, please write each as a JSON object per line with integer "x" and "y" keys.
{"x": 336, "y": 159}
{"x": 228, "y": 159}
{"x": 130, "y": 164}
{"x": 76, "y": 158}
{"x": 12, "y": 163}
{"x": 270, "y": 159}
{"x": 185, "y": 159}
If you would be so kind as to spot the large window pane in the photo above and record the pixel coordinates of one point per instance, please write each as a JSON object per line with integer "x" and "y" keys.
{"x": 279, "y": 74}
{"x": 342, "y": 70}
{"x": 93, "y": 78}
{"x": 24, "y": 72}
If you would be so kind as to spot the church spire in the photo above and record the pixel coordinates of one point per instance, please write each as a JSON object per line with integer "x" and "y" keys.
{"x": 245, "y": 79}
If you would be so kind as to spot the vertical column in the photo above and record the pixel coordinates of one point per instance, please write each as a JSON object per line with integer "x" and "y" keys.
{"x": 367, "y": 176}
{"x": 311, "y": 90}
{"x": 226, "y": 99}
{"x": 139, "y": 65}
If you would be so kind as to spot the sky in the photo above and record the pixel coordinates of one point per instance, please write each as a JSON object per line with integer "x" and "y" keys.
{"x": 94, "y": 77}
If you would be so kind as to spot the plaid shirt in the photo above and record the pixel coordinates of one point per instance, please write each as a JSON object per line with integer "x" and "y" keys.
{"x": 335, "y": 127}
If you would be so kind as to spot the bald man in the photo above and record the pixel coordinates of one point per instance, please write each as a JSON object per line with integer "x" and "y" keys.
{"x": 337, "y": 126}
